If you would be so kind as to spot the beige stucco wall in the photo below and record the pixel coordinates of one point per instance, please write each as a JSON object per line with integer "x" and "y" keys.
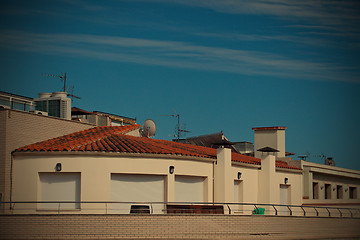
{"x": 96, "y": 173}
{"x": 270, "y": 179}
{"x": 249, "y": 180}
{"x": 18, "y": 128}
{"x": 257, "y": 185}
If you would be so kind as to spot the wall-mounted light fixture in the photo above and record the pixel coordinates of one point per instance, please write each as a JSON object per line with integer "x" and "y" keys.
{"x": 346, "y": 189}
{"x": 171, "y": 169}
{"x": 286, "y": 180}
{"x": 321, "y": 187}
{"x": 239, "y": 175}
{"x": 58, "y": 167}
{"x": 334, "y": 188}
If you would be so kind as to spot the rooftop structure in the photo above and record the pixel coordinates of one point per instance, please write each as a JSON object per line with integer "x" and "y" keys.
{"x": 99, "y": 118}
{"x": 56, "y": 104}
{"x": 18, "y": 102}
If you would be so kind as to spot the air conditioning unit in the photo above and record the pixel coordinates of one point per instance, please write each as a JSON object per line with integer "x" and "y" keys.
{"x": 39, "y": 112}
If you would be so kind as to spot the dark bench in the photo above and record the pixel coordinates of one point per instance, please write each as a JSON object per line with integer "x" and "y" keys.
{"x": 195, "y": 209}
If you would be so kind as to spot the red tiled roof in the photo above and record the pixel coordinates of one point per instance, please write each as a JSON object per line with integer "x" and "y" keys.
{"x": 113, "y": 139}
{"x": 74, "y": 140}
{"x": 269, "y": 128}
{"x": 282, "y": 164}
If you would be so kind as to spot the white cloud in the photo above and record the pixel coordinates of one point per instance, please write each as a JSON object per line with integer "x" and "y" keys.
{"x": 344, "y": 15}
{"x": 174, "y": 54}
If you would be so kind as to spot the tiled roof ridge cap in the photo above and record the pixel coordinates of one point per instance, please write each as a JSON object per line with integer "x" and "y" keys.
{"x": 107, "y": 136}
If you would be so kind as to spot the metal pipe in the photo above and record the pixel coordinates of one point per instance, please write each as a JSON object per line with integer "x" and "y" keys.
{"x": 328, "y": 212}
{"x": 187, "y": 206}
{"x": 289, "y": 210}
{"x": 303, "y": 211}
{"x": 340, "y": 212}
{"x": 276, "y": 212}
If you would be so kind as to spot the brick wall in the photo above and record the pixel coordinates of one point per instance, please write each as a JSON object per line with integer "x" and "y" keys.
{"x": 3, "y": 165}
{"x": 174, "y": 227}
{"x": 18, "y": 128}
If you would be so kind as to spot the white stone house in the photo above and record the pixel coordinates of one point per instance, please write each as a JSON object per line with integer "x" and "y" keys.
{"x": 116, "y": 164}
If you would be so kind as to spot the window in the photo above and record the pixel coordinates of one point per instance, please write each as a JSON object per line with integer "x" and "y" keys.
{"x": 315, "y": 190}
{"x": 54, "y": 108}
{"x": 352, "y": 193}
{"x": 18, "y": 105}
{"x": 327, "y": 191}
{"x": 41, "y": 106}
{"x": 339, "y": 192}
{"x": 5, "y": 101}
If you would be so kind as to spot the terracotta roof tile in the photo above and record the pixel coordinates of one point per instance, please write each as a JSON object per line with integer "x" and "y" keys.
{"x": 282, "y": 164}
{"x": 113, "y": 139}
{"x": 78, "y": 141}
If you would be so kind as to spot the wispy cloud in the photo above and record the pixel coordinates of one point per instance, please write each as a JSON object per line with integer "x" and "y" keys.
{"x": 321, "y": 9}
{"x": 175, "y": 54}
{"x": 297, "y": 39}
{"x": 342, "y": 15}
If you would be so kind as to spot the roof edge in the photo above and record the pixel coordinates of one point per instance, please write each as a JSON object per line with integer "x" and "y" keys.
{"x": 269, "y": 128}
{"x": 117, "y": 154}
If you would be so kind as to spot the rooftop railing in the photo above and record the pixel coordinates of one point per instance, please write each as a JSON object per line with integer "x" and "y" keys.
{"x": 115, "y": 207}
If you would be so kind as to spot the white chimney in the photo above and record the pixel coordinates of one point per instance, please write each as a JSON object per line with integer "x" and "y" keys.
{"x": 273, "y": 137}
{"x": 223, "y": 177}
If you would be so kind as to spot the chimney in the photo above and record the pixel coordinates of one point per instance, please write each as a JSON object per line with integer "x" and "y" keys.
{"x": 223, "y": 178}
{"x": 272, "y": 137}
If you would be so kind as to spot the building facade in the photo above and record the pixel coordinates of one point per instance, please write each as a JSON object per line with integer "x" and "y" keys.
{"x": 111, "y": 168}
{"x": 326, "y": 185}
{"x": 116, "y": 164}
{"x": 19, "y": 128}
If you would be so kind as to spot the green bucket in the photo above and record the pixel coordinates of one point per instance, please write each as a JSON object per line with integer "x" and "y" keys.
{"x": 258, "y": 211}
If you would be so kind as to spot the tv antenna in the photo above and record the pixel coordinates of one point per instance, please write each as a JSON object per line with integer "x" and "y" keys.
{"x": 178, "y": 130}
{"x": 307, "y": 156}
{"x": 66, "y": 88}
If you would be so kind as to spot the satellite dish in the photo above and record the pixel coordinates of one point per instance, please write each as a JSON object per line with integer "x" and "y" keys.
{"x": 149, "y": 128}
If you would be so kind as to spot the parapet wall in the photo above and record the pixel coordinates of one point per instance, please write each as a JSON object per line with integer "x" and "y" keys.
{"x": 175, "y": 227}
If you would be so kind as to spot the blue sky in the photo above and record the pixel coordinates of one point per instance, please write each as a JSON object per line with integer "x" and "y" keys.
{"x": 221, "y": 64}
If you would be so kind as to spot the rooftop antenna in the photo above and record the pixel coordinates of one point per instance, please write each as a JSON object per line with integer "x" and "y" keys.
{"x": 63, "y": 77}
{"x": 179, "y": 130}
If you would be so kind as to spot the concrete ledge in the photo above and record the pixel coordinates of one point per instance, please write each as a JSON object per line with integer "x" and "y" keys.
{"x": 76, "y": 226}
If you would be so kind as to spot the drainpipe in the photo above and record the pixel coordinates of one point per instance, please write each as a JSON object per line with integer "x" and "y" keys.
{"x": 11, "y": 178}
{"x": 213, "y": 182}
